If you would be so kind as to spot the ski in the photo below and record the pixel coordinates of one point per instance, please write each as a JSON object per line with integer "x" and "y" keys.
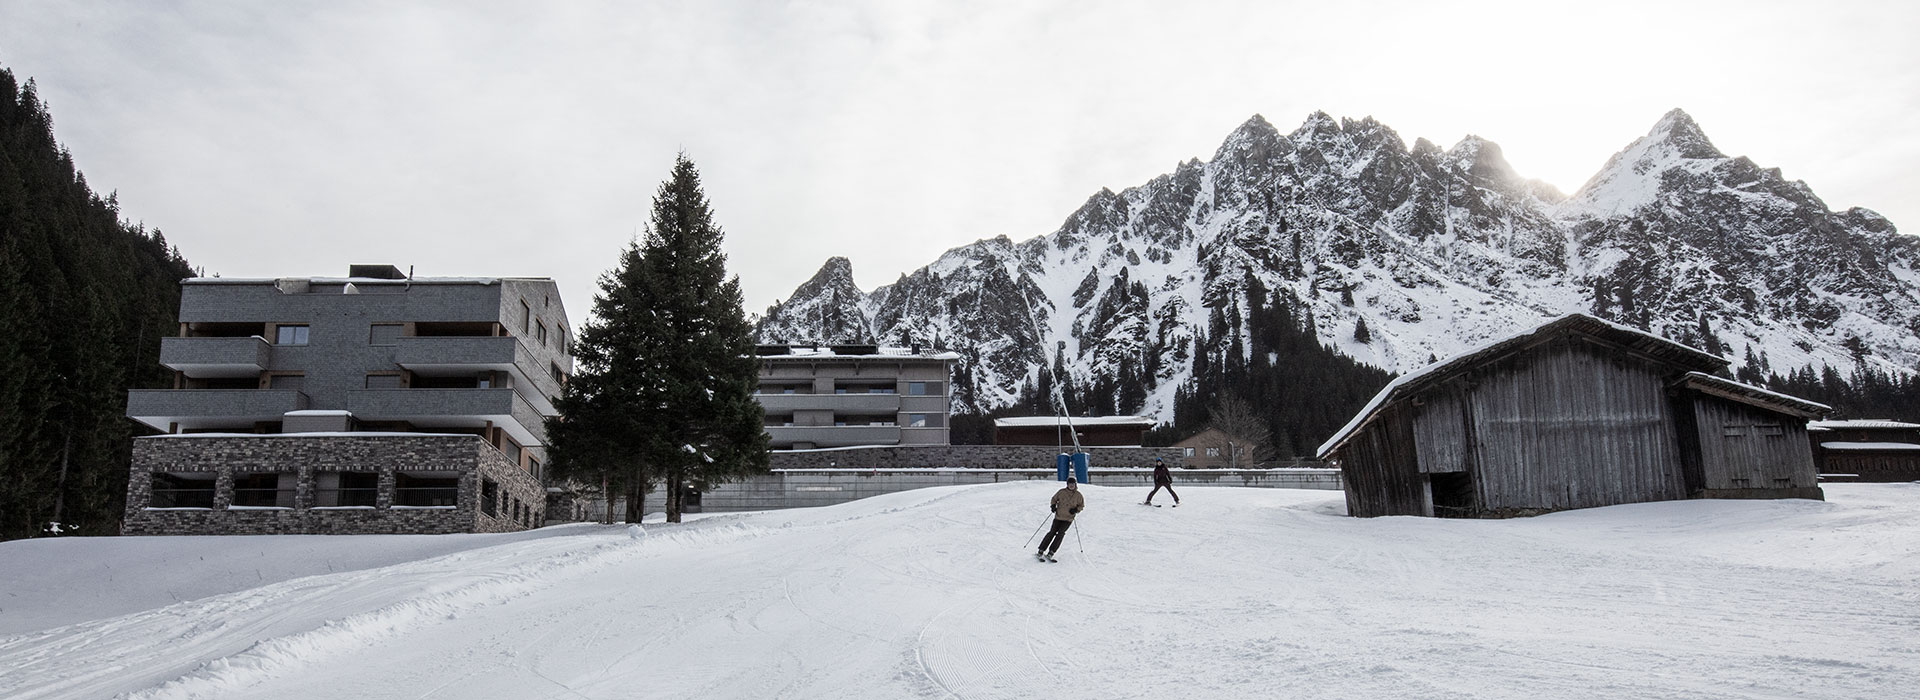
{"x": 1150, "y": 504}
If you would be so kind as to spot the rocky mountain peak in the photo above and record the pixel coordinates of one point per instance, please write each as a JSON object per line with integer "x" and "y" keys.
{"x": 1338, "y": 226}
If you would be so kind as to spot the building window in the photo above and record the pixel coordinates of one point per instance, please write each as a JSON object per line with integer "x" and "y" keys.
{"x": 508, "y": 447}
{"x": 489, "y": 498}
{"x": 917, "y": 420}
{"x": 346, "y": 489}
{"x": 526, "y": 317}
{"x": 290, "y": 335}
{"x": 384, "y": 334}
{"x": 540, "y": 332}
{"x": 533, "y": 465}
{"x": 426, "y": 489}
{"x": 182, "y": 490}
{"x": 1213, "y": 452}
{"x": 1186, "y": 452}
{"x": 558, "y": 375}
{"x": 269, "y": 490}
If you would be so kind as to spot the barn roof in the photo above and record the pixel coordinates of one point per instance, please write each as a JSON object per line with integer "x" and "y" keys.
{"x": 1861, "y": 424}
{"x": 1754, "y": 396}
{"x": 1633, "y": 339}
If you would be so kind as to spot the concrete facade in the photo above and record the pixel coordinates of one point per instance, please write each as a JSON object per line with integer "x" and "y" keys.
{"x": 855, "y": 395}
{"x": 298, "y": 465}
{"x": 340, "y": 361}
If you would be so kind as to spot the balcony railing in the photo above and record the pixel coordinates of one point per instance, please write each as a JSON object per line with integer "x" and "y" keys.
{"x": 216, "y": 357}
{"x": 426, "y": 354}
{"x": 835, "y": 435}
{"x": 838, "y": 403}
{"x": 238, "y": 404}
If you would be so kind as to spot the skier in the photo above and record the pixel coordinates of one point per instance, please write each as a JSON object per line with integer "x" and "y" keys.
{"x": 1162, "y": 479}
{"x": 1066, "y": 503}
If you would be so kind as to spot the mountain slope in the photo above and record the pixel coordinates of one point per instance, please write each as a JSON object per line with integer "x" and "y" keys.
{"x": 1395, "y": 256}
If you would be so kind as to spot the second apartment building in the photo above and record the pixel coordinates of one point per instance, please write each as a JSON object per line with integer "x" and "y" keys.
{"x": 852, "y": 395}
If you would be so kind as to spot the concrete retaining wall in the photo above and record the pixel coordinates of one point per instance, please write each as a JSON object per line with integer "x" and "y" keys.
{"x": 801, "y": 488}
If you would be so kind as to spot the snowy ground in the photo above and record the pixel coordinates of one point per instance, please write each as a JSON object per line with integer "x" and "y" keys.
{"x": 1238, "y": 593}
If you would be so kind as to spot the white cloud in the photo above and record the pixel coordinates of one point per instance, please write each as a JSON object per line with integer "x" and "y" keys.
{"x": 508, "y": 139}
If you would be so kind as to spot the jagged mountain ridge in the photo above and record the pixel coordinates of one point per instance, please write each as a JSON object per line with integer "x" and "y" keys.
{"x": 1434, "y": 250}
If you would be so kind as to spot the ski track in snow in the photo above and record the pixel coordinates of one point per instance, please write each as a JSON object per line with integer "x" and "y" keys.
{"x": 931, "y": 593}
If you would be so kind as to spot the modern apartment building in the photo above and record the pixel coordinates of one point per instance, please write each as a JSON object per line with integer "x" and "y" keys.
{"x": 370, "y": 403}
{"x": 848, "y": 395}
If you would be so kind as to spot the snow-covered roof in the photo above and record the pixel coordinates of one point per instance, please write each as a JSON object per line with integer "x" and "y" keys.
{"x": 1633, "y": 338}
{"x": 1861, "y": 424}
{"x": 825, "y": 352}
{"x": 354, "y": 280}
{"x": 319, "y": 412}
{"x": 1079, "y": 421}
{"x": 324, "y": 434}
{"x": 1875, "y": 446}
{"x": 1753, "y": 395}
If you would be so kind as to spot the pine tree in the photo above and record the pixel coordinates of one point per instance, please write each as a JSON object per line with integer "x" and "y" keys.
{"x": 84, "y": 300}
{"x": 668, "y": 371}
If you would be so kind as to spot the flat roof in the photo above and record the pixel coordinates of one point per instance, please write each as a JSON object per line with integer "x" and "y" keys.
{"x": 1076, "y": 421}
{"x": 1863, "y": 423}
{"x": 357, "y": 280}
{"x": 795, "y": 354}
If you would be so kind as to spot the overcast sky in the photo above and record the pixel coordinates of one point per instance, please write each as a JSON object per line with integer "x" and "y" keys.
{"x": 281, "y": 138}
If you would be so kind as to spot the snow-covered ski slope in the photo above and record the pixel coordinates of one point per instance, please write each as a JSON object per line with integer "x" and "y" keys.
{"x": 1238, "y": 593}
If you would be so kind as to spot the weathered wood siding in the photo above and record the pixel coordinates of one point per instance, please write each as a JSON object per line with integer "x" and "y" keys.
{"x": 1573, "y": 425}
{"x": 1443, "y": 429}
{"x": 1742, "y": 447}
{"x": 1381, "y": 469}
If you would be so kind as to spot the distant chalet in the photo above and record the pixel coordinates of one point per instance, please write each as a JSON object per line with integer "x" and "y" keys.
{"x": 1576, "y": 413}
{"x": 1866, "y": 450}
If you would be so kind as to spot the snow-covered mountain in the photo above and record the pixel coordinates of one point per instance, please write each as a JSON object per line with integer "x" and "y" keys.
{"x": 1433, "y": 250}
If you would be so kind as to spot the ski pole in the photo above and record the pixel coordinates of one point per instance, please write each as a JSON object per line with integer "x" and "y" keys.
{"x": 1082, "y": 544}
{"x": 1036, "y": 531}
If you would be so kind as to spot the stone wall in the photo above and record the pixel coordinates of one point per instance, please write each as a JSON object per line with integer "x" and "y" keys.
{"x": 467, "y": 456}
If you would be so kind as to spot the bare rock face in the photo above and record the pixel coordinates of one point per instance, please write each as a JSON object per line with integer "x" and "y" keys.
{"x": 1432, "y": 250}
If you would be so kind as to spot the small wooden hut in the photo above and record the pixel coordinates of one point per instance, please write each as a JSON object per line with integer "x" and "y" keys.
{"x": 1576, "y": 413}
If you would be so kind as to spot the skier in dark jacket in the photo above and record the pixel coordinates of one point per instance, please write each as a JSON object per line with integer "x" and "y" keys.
{"x": 1162, "y": 479}
{"x": 1066, "y": 503}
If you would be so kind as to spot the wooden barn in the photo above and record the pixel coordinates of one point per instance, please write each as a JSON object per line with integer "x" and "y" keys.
{"x": 1576, "y": 413}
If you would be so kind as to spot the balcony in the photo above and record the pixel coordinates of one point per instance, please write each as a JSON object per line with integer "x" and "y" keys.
{"x": 834, "y": 436}
{"x": 211, "y": 408}
{"x": 203, "y": 358}
{"x": 864, "y": 404}
{"x": 451, "y": 354}
{"x": 451, "y": 408}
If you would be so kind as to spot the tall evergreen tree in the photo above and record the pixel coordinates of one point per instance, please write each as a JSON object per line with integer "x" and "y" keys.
{"x": 668, "y": 368}
{"x": 84, "y": 300}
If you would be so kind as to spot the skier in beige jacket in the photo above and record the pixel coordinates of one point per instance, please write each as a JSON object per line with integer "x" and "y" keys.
{"x": 1066, "y": 503}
